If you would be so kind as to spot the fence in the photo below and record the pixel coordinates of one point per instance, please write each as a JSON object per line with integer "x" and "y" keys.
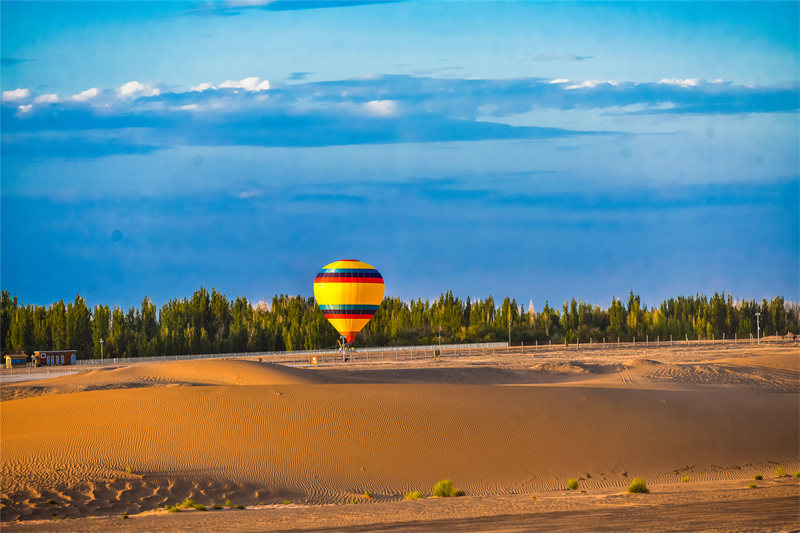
{"x": 446, "y": 350}
{"x": 325, "y": 355}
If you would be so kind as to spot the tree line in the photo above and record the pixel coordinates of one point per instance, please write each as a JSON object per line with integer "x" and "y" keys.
{"x": 211, "y": 323}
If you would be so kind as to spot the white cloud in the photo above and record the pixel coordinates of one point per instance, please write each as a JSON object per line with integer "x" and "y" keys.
{"x": 381, "y": 108}
{"x": 189, "y": 107}
{"x": 687, "y": 82}
{"x": 134, "y": 88}
{"x": 17, "y": 94}
{"x": 47, "y": 99}
{"x": 591, "y": 84}
{"x": 560, "y": 80}
{"x": 25, "y": 108}
{"x": 202, "y": 87}
{"x": 588, "y": 84}
{"x": 252, "y": 84}
{"x": 86, "y": 95}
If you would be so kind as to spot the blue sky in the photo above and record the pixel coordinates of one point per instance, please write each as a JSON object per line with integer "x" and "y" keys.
{"x": 537, "y": 150}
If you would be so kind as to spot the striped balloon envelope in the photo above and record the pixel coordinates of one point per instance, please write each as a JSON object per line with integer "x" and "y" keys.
{"x": 348, "y": 292}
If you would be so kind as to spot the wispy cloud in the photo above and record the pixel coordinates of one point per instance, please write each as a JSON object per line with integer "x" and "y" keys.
{"x": 381, "y": 109}
{"x": 686, "y": 82}
{"x": 251, "y": 84}
{"x": 134, "y": 89}
{"x": 16, "y": 94}
{"x": 236, "y": 7}
{"x": 85, "y": 96}
{"x": 48, "y": 98}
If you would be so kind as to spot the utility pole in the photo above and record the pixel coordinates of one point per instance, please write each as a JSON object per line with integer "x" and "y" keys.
{"x": 758, "y": 328}
{"x": 509, "y": 328}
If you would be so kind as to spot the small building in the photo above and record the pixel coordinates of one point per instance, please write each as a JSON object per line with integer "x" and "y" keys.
{"x": 17, "y": 359}
{"x": 54, "y": 357}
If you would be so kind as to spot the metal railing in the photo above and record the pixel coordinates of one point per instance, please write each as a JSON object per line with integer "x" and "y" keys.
{"x": 325, "y": 355}
{"x": 428, "y": 351}
{"x": 446, "y": 350}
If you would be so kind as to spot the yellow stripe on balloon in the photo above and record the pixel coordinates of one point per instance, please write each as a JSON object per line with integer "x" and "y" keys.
{"x": 348, "y": 292}
{"x": 348, "y": 263}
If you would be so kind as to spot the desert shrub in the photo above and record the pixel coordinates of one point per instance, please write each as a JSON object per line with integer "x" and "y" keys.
{"x": 51, "y": 501}
{"x": 228, "y": 503}
{"x": 188, "y": 502}
{"x": 685, "y": 479}
{"x": 175, "y": 509}
{"x": 572, "y": 484}
{"x": 780, "y": 471}
{"x": 215, "y": 506}
{"x": 445, "y": 489}
{"x": 367, "y": 494}
{"x": 240, "y": 506}
{"x": 287, "y": 502}
{"x": 752, "y": 486}
{"x": 638, "y": 486}
{"x": 797, "y": 474}
{"x": 128, "y": 469}
{"x": 125, "y": 516}
{"x": 758, "y": 477}
{"x": 413, "y": 495}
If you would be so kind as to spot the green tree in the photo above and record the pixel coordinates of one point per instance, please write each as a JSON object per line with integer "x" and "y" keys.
{"x": 777, "y": 314}
{"x": 22, "y": 330}
{"x": 79, "y": 327}
{"x": 8, "y": 307}
{"x": 101, "y": 326}
{"x": 41, "y": 331}
{"x": 118, "y": 341}
{"x": 57, "y": 324}
{"x": 617, "y": 319}
{"x": 149, "y": 334}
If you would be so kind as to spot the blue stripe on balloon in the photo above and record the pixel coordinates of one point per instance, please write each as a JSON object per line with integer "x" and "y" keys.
{"x": 370, "y": 271}
{"x": 349, "y": 307}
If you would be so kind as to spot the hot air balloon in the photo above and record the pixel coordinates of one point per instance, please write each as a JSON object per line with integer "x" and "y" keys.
{"x": 348, "y": 292}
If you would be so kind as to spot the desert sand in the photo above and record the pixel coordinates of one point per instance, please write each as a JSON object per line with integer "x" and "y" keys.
{"x": 298, "y": 446}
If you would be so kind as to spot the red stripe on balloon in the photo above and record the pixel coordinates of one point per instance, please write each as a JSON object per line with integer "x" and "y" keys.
{"x": 348, "y": 315}
{"x": 348, "y": 280}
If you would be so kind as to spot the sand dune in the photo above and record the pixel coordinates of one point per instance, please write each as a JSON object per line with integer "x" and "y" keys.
{"x": 206, "y": 372}
{"x": 261, "y": 433}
